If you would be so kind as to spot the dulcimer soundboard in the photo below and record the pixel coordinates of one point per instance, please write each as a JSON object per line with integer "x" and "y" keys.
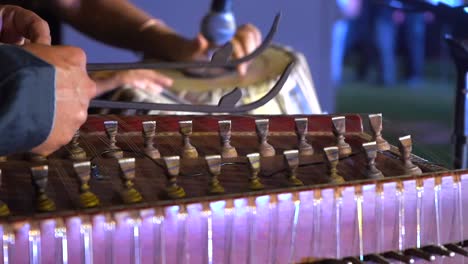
{"x": 231, "y": 189}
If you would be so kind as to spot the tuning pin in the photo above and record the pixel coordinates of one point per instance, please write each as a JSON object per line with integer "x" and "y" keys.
{"x": 228, "y": 150}
{"x": 370, "y": 149}
{"x": 113, "y": 151}
{"x": 214, "y": 166}
{"x": 339, "y": 129}
{"x": 76, "y": 152}
{"x": 332, "y": 155}
{"x": 39, "y": 176}
{"x": 266, "y": 150}
{"x": 173, "y": 190}
{"x": 405, "y": 146}
{"x": 375, "y": 121}
{"x": 4, "y": 210}
{"x": 149, "y": 132}
{"x": 305, "y": 148}
{"x": 87, "y": 198}
{"x": 130, "y": 194}
{"x": 291, "y": 158}
{"x": 189, "y": 151}
{"x": 254, "y": 162}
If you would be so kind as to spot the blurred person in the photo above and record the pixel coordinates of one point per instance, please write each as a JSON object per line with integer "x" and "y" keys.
{"x": 44, "y": 90}
{"x": 385, "y": 35}
{"x": 415, "y": 33}
{"x": 349, "y": 10}
{"x": 414, "y": 25}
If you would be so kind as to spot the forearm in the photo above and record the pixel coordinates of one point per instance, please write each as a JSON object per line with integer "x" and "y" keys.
{"x": 119, "y": 23}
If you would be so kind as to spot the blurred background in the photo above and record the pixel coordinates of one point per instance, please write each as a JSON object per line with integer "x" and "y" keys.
{"x": 363, "y": 57}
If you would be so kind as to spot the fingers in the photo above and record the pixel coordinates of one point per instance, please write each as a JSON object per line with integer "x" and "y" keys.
{"x": 148, "y": 86}
{"x": 201, "y": 43}
{"x": 19, "y": 23}
{"x": 37, "y": 31}
{"x": 160, "y": 78}
{"x": 90, "y": 89}
{"x": 246, "y": 40}
{"x": 250, "y": 37}
{"x": 73, "y": 92}
{"x": 62, "y": 131}
{"x": 148, "y": 80}
{"x": 238, "y": 52}
{"x": 77, "y": 57}
{"x": 74, "y": 56}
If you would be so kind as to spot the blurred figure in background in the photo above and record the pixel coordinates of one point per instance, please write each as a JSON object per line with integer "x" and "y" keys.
{"x": 374, "y": 25}
{"x": 349, "y": 11}
{"x": 414, "y": 28}
{"x": 387, "y": 21}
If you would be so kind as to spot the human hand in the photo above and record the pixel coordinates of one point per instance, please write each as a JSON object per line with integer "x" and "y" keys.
{"x": 73, "y": 91}
{"x": 18, "y": 25}
{"x": 245, "y": 41}
{"x": 147, "y": 80}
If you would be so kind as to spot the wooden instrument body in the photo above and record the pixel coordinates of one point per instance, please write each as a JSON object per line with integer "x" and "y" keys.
{"x": 151, "y": 179}
{"x": 286, "y": 223}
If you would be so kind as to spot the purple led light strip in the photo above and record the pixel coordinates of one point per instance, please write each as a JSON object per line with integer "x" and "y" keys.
{"x": 233, "y": 230}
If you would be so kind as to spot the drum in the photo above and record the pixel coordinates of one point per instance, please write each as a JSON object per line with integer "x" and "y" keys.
{"x": 297, "y": 96}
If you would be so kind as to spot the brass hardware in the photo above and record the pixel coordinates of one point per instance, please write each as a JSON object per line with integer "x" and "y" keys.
{"x": 339, "y": 129}
{"x": 302, "y": 125}
{"x": 262, "y": 126}
{"x": 149, "y": 132}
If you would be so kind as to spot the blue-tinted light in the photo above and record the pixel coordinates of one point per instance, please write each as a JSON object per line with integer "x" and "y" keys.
{"x": 218, "y": 206}
{"x": 263, "y": 200}
{"x": 173, "y": 209}
{"x": 240, "y": 203}
{"x": 285, "y": 196}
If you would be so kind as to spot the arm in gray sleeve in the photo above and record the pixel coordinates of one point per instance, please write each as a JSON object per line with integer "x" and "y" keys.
{"x": 27, "y": 100}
